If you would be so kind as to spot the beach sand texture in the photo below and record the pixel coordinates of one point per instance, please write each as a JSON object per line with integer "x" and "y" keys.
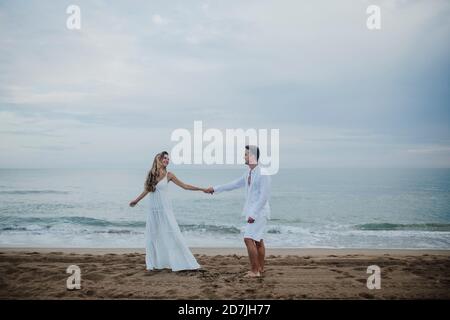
{"x": 31, "y": 273}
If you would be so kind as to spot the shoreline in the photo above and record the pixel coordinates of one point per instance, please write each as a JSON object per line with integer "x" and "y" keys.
{"x": 211, "y": 251}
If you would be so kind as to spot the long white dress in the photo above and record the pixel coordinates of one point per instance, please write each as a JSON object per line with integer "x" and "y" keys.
{"x": 165, "y": 245}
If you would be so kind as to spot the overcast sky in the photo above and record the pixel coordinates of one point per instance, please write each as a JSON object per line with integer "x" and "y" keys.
{"x": 110, "y": 94}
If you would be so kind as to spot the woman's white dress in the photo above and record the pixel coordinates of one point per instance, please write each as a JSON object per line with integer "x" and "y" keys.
{"x": 165, "y": 245}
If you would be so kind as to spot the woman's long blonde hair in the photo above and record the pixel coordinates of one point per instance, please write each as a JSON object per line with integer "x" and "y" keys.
{"x": 154, "y": 174}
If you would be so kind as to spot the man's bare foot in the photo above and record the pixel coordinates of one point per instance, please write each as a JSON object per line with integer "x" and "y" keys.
{"x": 261, "y": 271}
{"x": 251, "y": 274}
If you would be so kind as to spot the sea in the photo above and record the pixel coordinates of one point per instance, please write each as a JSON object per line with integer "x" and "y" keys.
{"x": 383, "y": 208}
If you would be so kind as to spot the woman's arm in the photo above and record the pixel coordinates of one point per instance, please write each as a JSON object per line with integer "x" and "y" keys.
{"x": 181, "y": 184}
{"x": 135, "y": 202}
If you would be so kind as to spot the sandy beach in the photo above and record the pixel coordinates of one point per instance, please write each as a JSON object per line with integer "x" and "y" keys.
{"x": 30, "y": 273}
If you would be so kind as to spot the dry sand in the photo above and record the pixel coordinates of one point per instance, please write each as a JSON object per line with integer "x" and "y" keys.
{"x": 31, "y": 273}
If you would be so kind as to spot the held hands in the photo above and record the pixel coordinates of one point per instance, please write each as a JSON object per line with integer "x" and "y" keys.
{"x": 209, "y": 190}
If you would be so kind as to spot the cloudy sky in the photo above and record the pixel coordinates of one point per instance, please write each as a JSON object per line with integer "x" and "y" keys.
{"x": 111, "y": 93}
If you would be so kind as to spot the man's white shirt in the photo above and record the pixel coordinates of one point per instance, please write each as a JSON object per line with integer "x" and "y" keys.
{"x": 257, "y": 194}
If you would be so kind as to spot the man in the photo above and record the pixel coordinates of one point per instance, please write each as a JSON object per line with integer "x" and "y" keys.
{"x": 256, "y": 209}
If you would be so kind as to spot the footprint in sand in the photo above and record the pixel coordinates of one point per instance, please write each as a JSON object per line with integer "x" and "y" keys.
{"x": 337, "y": 270}
{"x": 366, "y": 295}
{"x": 171, "y": 291}
{"x": 360, "y": 269}
{"x": 90, "y": 293}
{"x": 345, "y": 276}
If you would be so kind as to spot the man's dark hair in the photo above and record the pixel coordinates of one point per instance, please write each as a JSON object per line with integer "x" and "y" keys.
{"x": 254, "y": 150}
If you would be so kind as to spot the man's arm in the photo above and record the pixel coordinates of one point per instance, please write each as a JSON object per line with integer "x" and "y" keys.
{"x": 236, "y": 184}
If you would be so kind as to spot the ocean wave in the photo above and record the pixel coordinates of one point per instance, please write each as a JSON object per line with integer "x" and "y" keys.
{"x": 407, "y": 227}
{"x": 14, "y": 228}
{"x": 8, "y": 221}
{"x": 14, "y": 223}
{"x": 112, "y": 231}
{"x": 18, "y": 224}
{"x": 210, "y": 228}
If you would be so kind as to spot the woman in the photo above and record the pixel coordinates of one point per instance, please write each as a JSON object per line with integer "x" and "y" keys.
{"x": 165, "y": 245}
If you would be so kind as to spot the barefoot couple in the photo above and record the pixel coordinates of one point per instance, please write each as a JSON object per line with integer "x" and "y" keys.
{"x": 165, "y": 245}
